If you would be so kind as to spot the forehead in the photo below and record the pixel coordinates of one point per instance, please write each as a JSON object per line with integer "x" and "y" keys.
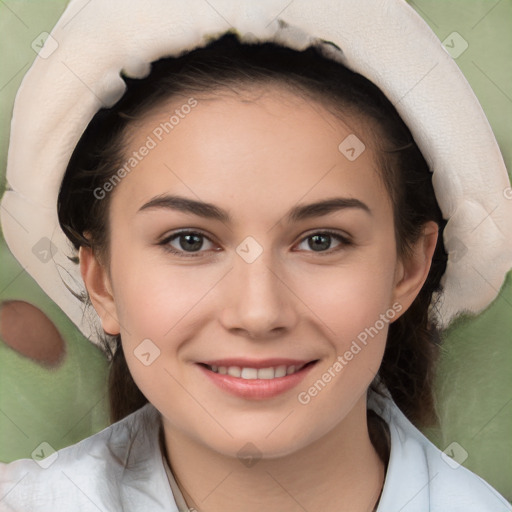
{"x": 262, "y": 145}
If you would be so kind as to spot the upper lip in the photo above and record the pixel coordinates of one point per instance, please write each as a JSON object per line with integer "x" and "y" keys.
{"x": 257, "y": 363}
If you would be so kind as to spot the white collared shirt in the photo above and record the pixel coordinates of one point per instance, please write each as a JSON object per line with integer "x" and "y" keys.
{"x": 122, "y": 468}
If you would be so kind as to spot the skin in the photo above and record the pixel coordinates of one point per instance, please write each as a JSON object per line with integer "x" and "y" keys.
{"x": 256, "y": 156}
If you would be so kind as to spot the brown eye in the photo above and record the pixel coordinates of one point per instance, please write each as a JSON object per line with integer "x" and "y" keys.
{"x": 185, "y": 243}
{"x": 322, "y": 241}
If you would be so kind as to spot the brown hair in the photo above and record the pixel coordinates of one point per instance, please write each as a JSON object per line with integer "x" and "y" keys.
{"x": 413, "y": 341}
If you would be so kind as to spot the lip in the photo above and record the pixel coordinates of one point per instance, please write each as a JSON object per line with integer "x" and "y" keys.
{"x": 256, "y": 389}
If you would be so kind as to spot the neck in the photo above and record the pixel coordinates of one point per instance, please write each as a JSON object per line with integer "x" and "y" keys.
{"x": 340, "y": 471}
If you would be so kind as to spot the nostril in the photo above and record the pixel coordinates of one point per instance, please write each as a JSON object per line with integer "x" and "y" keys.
{"x": 28, "y": 331}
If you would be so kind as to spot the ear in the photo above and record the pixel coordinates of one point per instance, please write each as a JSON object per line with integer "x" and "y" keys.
{"x": 412, "y": 270}
{"x": 97, "y": 282}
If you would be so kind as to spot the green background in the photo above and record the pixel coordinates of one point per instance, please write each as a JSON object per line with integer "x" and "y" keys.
{"x": 67, "y": 403}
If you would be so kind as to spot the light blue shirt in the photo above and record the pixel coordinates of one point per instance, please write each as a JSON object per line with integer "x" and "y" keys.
{"x": 121, "y": 468}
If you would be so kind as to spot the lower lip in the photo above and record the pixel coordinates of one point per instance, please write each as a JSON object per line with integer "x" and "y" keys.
{"x": 256, "y": 389}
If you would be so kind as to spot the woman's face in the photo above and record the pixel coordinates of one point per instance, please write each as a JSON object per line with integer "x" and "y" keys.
{"x": 261, "y": 279}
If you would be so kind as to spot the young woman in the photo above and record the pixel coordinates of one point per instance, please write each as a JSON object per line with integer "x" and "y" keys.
{"x": 257, "y": 231}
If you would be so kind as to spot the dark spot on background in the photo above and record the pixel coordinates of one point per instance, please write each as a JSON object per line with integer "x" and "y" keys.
{"x": 26, "y": 329}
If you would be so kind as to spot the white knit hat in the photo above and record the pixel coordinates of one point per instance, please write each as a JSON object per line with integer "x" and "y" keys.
{"x": 77, "y": 72}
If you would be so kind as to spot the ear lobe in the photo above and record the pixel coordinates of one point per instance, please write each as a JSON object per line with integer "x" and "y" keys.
{"x": 99, "y": 288}
{"x": 413, "y": 270}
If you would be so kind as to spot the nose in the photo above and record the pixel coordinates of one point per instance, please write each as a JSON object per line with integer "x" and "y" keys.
{"x": 259, "y": 302}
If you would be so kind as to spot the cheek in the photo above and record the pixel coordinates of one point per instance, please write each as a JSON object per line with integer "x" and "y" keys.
{"x": 161, "y": 302}
{"x": 151, "y": 301}
{"x": 353, "y": 306}
{"x": 351, "y": 297}
{"x": 355, "y": 313}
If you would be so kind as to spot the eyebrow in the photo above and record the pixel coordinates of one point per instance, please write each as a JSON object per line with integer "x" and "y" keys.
{"x": 210, "y": 211}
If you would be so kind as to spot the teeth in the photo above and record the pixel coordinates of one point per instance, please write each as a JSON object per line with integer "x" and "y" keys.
{"x": 266, "y": 373}
{"x": 290, "y": 370}
{"x": 249, "y": 373}
{"x": 234, "y": 371}
{"x": 280, "y": 371}
{"x": 256, "y": 373}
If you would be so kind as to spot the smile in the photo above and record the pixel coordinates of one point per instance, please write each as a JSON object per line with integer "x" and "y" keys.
{"x": 256, "y": 381}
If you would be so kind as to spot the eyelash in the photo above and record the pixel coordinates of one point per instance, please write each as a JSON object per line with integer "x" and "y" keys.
{"x": 165, "y": 243}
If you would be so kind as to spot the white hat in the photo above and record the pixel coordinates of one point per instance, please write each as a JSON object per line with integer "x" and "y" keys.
{"x": 77, "y": 72}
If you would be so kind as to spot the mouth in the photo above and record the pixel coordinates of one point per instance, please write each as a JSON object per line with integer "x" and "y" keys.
{"x": 256, "y": 380}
